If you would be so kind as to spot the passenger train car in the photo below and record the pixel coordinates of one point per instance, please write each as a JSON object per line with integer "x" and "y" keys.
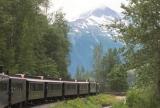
{"x": 4, "y": 90}
{"x": 54, "y": 89}
{"x": 83, "y": 88}
{"x": 70, "y": 88}
{"x": 35, "y": 89}
{"x": 92, "y": 87}
{"x": 17, "y": 90}
{"x": 21, "y": 90}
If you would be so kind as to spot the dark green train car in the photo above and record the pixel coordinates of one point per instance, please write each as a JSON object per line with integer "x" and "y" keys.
{"x": 17, "y": 90}
{"x": 70, "y": 88}
{"x": 35, "y": 89}
{"x": 83, "y": 88}
{"x": 93, "y": 87}
{"x": 53, "y": 88}
{"x": 4, "y": 91}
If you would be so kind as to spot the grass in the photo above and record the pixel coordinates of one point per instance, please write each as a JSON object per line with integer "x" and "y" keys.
{"x": 119, "y": 105}
{"x": 92, "y": 102}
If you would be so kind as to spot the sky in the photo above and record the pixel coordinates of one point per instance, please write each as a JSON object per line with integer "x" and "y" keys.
{"x": 73, "y": 8}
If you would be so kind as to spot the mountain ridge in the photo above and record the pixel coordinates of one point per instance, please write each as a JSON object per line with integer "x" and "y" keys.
{"x": 85, "y": 33}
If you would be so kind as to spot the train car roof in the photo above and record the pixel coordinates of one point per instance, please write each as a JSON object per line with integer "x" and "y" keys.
{"x": 85, "y": 82}
{"x": 57, "y": 81}
{"x": 92, "y": 82}
{"x": 3, "y": 76}
{"x": 72, "y": 82}
{"x": 35, "y": 80}
{"x": 13, "y": 77}
{"x": 41, "y": 80}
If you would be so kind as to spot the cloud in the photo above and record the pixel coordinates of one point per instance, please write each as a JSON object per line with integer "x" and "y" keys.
{"x": 73, "y": 8}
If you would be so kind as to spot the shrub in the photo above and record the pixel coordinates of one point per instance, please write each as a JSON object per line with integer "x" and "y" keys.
{"x": 142, "y": 98}
{"x": 89, "y": 102}
{"x": 119, "y": 105}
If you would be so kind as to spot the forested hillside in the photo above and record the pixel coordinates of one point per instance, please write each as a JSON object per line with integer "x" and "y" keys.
{"x": 30, "y": 42}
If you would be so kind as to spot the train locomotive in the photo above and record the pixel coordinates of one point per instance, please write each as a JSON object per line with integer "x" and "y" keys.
{"x": 20, "y": 90}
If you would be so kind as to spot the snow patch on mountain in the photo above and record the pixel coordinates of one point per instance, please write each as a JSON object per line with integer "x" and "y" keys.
{"x": 86, "y": 32}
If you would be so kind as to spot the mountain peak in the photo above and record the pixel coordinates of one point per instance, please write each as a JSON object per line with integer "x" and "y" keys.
{"x": 99, "y": 12}
{"x": 86, "y": 33}
{"x": 104, "y": 11}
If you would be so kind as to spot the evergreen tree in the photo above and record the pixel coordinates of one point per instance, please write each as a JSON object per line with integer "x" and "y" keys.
{"x": 110, "y": 59}
{"x": 80, "y": 73}
{"x": 140, "y": 30}
{"x": 117, "y": 78}
{"x": 56, "y": 43}
{"x": 29, "y": 42}
{"x": 97, "y": 60}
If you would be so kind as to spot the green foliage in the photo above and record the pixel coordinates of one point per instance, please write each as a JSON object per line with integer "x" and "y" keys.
{"x": 47, "y": 68}
{"x": 118, "y": 78}
{"x": 142, "y": 98}
{"x": 56, "y": 44}
{"x": 77, "y": 103}
{"x": 97, "y": 57}
{"x": 119, "y": 105}
{"x": 142, "y": 50}
{"x": 29, "y": 42}
{"x": 141, "y": 36}
{"x": 89, "y": 102}
{"x": 110, "y": 59}
{"x": 80, "y": 73}
{"x": 103, "y": 99}
{"x": 109, "y": 70}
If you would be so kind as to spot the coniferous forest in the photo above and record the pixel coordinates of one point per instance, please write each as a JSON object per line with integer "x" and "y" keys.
{"x": 32, "y": 42}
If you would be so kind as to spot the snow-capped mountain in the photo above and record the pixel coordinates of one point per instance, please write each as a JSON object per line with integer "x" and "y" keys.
{"x": 86, "y": 32}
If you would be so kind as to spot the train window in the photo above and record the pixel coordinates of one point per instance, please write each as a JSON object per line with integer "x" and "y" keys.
{"x": 36, "y": 87}
{"x": 93, "y": 86}
{"x": 3, "y": 86}
{"x": 50, "y": 87}
{"x": 18, "y": 87}
{"x": 39, "y": 86}
{"x": 58, "y": 86}
{"x": 54, "y": 86}
{"x": 83, "y": 86}
{"x": 70, "y": 86}
{"x": 32, "y": 87}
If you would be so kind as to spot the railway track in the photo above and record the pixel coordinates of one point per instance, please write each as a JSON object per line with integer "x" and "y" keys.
{"x": 48, "y": 105}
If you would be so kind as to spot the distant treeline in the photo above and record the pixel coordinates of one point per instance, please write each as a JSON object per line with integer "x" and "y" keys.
{"x": 30, "y": 42}
{"x": 108, "y": 70}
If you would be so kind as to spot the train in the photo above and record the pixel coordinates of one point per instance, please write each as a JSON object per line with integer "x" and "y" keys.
{"x": 20, "y": 90}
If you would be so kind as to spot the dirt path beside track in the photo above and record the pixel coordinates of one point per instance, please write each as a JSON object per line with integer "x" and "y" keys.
{"x": 49, "y": 105}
